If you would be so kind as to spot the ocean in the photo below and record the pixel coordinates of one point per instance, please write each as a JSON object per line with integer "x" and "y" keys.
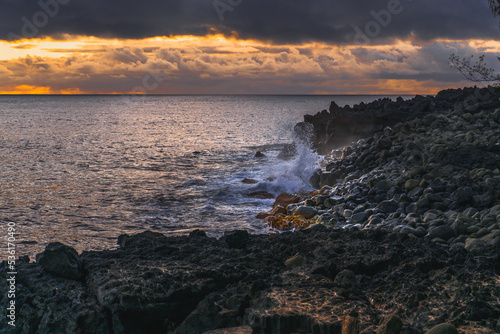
{"x": 82, "y": 170}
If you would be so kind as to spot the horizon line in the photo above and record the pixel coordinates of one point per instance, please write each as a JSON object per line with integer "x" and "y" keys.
{"x": 219, "y": 94}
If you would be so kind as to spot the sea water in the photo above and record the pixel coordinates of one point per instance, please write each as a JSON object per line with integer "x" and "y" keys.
{"x": 84, "y": 169}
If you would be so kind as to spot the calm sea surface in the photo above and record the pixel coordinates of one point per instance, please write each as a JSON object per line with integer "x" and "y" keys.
{"x": 84, "y": 169}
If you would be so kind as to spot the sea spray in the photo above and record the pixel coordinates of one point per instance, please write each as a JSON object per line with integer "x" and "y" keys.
{"x": 291, "y": 175}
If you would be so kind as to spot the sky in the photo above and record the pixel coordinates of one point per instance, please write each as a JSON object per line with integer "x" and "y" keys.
{"x": 241, "y": 46}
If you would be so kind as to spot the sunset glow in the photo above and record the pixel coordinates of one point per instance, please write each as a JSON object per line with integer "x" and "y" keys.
{"x": 191, "y": 64}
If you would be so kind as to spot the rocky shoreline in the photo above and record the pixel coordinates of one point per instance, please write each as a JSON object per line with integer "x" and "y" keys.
{"x": 402, "y": 236}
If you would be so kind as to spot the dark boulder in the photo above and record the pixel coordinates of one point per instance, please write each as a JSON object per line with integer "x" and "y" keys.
{"x": 61, "y": 260}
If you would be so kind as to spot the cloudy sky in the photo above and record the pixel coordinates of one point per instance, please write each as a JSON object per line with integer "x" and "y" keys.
{"x": 240, "y": 46}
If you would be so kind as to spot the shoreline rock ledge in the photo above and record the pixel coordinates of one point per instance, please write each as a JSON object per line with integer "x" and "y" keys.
{"x": 403, "y": 236}
{"x": 316, "y": 280}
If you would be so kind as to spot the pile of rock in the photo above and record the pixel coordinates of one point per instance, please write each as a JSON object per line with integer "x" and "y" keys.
{"x": 436, "y": 177}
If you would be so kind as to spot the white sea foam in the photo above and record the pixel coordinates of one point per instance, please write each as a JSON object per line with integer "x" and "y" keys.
{"x": 292, "y": 175}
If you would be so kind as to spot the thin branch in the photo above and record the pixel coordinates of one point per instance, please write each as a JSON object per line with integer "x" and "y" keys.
{"x": 473, "y": 71}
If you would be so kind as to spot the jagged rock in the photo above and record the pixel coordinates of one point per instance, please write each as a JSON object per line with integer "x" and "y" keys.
{"x": 197, "y": 234}
{"x": 157, "y": 284}
{"x": 259, "y": 154}
{"x": 217, "y": 311}
{"x": 288, "y": 152}
{"x": 392, "y": 324}
{"x": 496, "y": 115}
{"x": 237, "y": 239}
{"x": 61, "y": 260}
{"x": 342, "y": 125}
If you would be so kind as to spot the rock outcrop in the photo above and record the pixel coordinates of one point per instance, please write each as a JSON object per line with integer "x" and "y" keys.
{"x": 339, "y": 126}
{"x": 306, "y": 281}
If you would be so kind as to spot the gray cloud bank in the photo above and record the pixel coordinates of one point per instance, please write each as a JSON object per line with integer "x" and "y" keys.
{"x": 278, "y": 21}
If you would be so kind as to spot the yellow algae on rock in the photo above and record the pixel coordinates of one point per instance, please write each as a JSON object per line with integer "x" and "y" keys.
{"x": 291, "y": 222}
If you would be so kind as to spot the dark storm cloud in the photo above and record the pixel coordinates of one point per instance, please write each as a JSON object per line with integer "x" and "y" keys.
{"x": 273, "y": 20}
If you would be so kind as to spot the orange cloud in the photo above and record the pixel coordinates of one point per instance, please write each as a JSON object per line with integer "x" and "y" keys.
{"x": 215, "y": 64}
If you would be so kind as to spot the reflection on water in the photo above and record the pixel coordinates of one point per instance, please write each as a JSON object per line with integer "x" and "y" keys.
{"x": 83, "y": 170}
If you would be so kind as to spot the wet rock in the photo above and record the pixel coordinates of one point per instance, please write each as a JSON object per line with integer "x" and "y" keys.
{"x": 472, "y": 229}
{"x": 277, "y": 211}
{"x": 496, "y": 115}
{"x": 445, "y": 328}
{"x": 433, "y": 198}
{"x": 422, "y": 203}
{"x": 347, "y": 213}
{"x": 306, "y": 211}
{"x": 61, "y": 260}
{"x": 249, "y": 181}
{"x": 288, "y": 152}
{"x": 315, "y": 178}
{"x": 383, "y": 186}
{"x": 286, "y": 199}
{"x": 430, "y": 216}
{"x": 261, "y": 195}
{"x": 259, "y": 154}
